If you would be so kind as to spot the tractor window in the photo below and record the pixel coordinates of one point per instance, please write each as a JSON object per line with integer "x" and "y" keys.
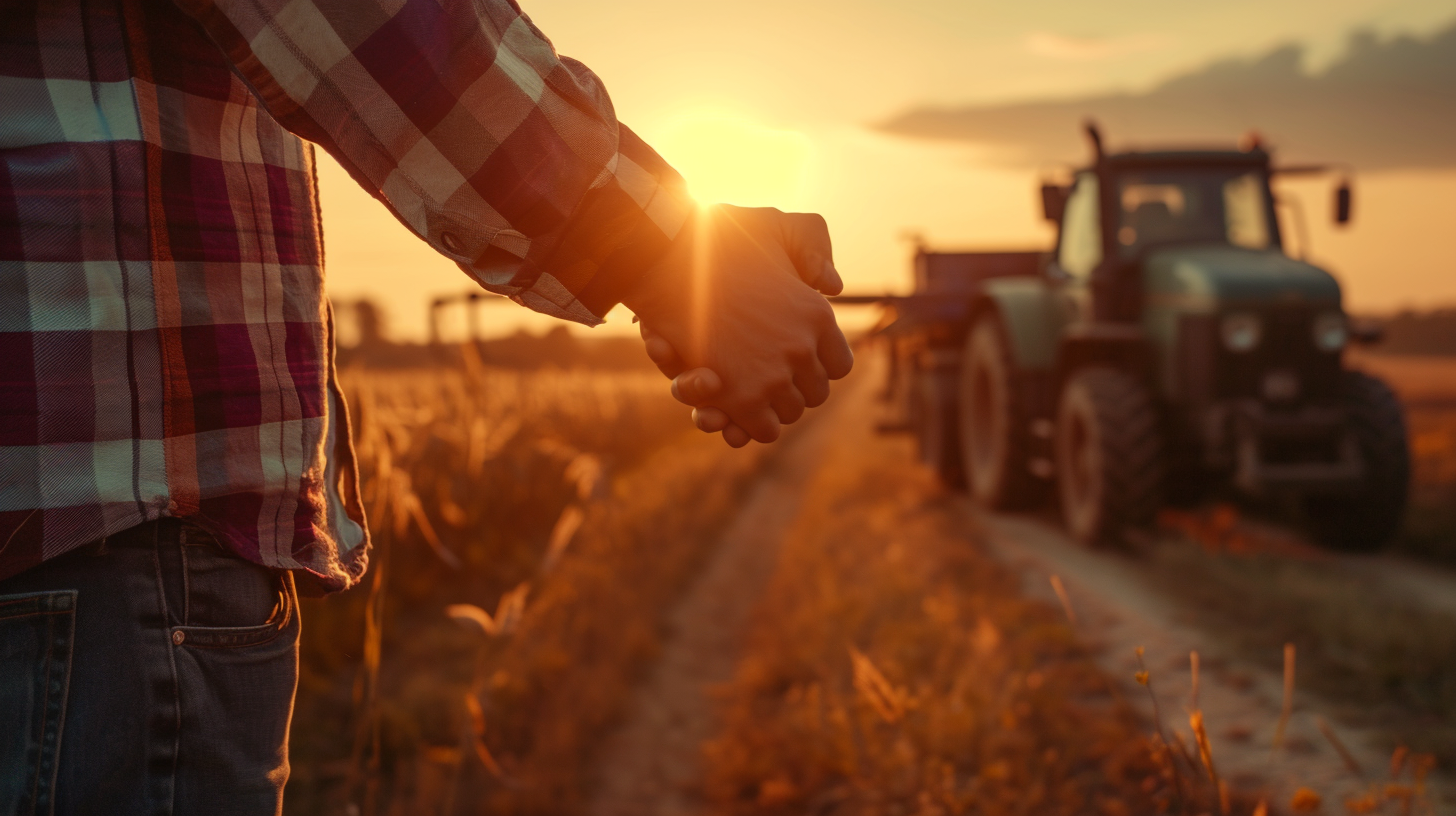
{"x": 1245, "y": 211}
{"x": 1193, "y": 206}
{"x": 1081, "y": 247}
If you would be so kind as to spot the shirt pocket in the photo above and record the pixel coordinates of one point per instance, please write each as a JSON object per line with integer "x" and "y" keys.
{"x": 36, "y": 638}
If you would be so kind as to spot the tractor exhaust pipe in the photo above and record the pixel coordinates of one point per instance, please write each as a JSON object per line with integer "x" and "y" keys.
{"x": 1094, "y": 135}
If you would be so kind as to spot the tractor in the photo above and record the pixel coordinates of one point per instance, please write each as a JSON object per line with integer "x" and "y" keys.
{"x": 1166, "y": 347}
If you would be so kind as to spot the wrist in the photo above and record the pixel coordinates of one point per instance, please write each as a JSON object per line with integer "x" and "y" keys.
{"x": 663, "y": 291}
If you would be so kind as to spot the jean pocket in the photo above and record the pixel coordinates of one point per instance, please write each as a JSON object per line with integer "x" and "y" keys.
{"x": 36, "y": 637}
{"x": 236, "y": 686}
{"x": 284, "y": 619}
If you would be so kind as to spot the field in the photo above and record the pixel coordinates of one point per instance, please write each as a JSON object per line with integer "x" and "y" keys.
{"x": 533, "y": 531}
{"x": 527, "y": 530}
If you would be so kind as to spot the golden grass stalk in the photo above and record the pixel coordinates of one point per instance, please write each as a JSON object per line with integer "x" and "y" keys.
{"x": 477, "y": 735}
{"x": 508, "y": 612}
{"x": 1145, "y": 679}
{"x": 427, "y": 530}
{"x": 1339, "y": 745}
{"x": 1421, "y": 766}
{"x": 1205, "y": 753}
{"x": 888, "y": 701}
{"x": 1066, "y": 600}
{"x": 1193, "y": 693}
{"x": 1287, "y": 708}
{"x": 1200, "y": 736}
{"x": 511, "y": 608}
{"x": 561, "y": 534}
{"x": 1397, "y": 760}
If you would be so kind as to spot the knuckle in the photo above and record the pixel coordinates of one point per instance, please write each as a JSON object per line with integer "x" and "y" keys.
{"x": 816, "y": 395}
{"x": 814, "y": 227}
{"x": 778, "y": 386}
{"x": 823, "y": 314}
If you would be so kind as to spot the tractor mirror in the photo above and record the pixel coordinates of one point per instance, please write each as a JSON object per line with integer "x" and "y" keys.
{"x": 1344, "y": 201}
{"x": 1053, "y": 201}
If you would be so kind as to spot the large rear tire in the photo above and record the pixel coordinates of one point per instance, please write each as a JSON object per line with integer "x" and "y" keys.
{"x": 933, "y": 415}
{"x": 995, "y": 439}
{"x": 1367, "y": 520}
{"x": 1109, "y": 452}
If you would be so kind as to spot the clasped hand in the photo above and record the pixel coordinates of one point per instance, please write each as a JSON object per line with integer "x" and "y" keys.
{"x": 735, "y": 315}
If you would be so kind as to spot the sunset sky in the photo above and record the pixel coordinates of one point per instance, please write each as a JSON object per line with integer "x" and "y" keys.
{"x": 775, "y": 103}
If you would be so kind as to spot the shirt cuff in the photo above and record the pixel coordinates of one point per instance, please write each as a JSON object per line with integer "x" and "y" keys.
{"x": 622, "y": 228}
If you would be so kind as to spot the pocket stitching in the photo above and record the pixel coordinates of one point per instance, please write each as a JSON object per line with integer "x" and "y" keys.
{"x": 36, "y": 603}
{"x": 55, "y": 668}
{"x": 208, "y": 637}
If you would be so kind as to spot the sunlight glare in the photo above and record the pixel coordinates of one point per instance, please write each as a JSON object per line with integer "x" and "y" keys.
{"x": 733, "y": 160}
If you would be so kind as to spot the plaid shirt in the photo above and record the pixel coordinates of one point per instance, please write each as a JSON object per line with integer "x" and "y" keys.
{"x": 165, "y": 343}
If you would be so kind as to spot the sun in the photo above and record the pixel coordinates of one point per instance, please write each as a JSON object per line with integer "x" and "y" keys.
{"x": 730, "y": 159}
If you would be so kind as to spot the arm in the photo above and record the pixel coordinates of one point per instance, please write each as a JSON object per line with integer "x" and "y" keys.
{"x": 462, "y": 119}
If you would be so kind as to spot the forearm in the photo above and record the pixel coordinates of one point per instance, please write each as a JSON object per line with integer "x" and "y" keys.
{"x": 462, "y": 119}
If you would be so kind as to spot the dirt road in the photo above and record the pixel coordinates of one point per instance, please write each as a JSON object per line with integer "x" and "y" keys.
{"x": 650, "y": 765}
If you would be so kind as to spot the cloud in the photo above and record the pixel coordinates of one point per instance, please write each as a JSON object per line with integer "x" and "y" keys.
{"x": 1384, "y": 104}
{"x": 1063, "y": 47}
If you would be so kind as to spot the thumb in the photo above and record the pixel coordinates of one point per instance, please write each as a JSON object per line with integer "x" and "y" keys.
{"x": 696, "y": 386}
{"x": 806, "y": 240}
{"x": 661, "y": 352}
{"x": 828, "y": 282}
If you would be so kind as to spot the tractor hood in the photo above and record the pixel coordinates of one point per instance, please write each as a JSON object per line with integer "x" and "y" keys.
{"x": 1214, "y": 278}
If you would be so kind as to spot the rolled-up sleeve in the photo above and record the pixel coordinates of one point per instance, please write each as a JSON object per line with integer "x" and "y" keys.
{"x": 461, "y": 118}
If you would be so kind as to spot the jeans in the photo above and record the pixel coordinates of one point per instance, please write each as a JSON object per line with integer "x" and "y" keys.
{"x": 148, "y": 673}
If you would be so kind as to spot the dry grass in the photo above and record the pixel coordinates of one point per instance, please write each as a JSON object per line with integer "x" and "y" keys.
{"x": 529, "y": 529}
{"x": 895, "y": 668}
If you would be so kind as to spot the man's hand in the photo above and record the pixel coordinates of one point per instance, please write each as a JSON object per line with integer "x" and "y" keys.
{"x": 728, "y": 315}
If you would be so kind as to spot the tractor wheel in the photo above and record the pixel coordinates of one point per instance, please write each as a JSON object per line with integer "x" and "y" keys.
{"x": 933, "y": 415}
{"x": 1109, "y": 451}
{"x": 994, "y": 434}
{"x": 1365, "y": 521}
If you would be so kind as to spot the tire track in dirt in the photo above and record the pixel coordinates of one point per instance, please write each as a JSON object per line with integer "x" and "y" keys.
{"x": 649, "y": 765}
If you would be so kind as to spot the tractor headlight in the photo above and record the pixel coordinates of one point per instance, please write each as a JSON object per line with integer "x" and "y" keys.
{"x": 1242, "y": 331}
{"x": 1331, "y": 331}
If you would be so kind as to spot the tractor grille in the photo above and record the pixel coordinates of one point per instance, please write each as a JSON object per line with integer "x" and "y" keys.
{"x": 1208, "y": 372}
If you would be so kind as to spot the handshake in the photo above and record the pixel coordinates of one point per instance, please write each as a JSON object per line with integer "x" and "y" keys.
{"x": 735, "y": 314}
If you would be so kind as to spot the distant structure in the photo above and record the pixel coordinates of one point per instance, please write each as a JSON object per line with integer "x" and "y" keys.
{"x": 370, "y": 320}
{"x": 471, "y": 300}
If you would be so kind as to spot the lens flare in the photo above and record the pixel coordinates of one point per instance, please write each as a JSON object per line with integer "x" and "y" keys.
{"x": 731, "y": 159}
